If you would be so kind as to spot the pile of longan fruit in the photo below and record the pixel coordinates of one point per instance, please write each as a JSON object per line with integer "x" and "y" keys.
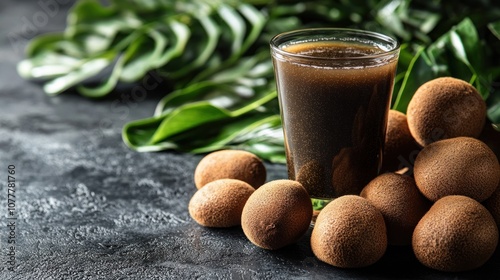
{"x": 439, "y": 191}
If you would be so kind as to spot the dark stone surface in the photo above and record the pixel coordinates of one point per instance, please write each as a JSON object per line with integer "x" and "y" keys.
{"x": 90, "y": 208}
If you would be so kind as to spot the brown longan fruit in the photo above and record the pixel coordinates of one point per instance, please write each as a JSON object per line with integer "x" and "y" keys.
{"x": 277, "y": 214}
{"x": 456, "y": 234}
{"x": 220, "y": 203}
{"x": 349, "y": 232}
{"x": 312, "y": 176}
{"x": 400, "y": 202}
{"x": 445, "y": 108}
{"x": 350, "y": 172}
{"x": 230, "y": 164}
{"x": 400, "y": 146}
{"x": 457, "y": 166}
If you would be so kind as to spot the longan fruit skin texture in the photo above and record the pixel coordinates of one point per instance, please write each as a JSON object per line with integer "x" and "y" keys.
{"x": 349, "y": 232}
{"x": 220, "y": 203}
{"x": 445, "y": 108}
{"x": 230, "y": 164}
{"x": 400, "y": 202}
{"x": 277, "y": 214}
{"x": 456, "y": 234}
{"x": 400, "y": 145}
{"x": 457, "y": 166}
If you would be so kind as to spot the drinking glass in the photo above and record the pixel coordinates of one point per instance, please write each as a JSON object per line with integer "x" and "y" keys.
{"x": 334, "y": 87}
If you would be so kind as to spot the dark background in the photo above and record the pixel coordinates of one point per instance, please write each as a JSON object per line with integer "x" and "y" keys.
{"x": 88, "y": 207}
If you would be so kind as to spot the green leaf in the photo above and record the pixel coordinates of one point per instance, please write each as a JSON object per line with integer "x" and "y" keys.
{"x": 425, "y": 21}
{"x": 257, "y": 21}
{"x": 137, "y": 135}
{"x": 107, "y": 86}
{"x": 182, "y": 96}
{"x": 44, "y": 43}
{"x": 227, "y": 133}
{"x": 186, "y": 117}
{"x": 213, "y": 33}
{"x": 493, "y": 103}
{"x": 463, "y": 41}
{"x": 142, "y": 56}
{"x": 456, "y": 53}
{"x": 236, "y": 25}
{"x": 264, "y": 138}
{"x": 180, "y": 35}
{"x": 95, "y": 26}
{"x": 144, "y": 6}
{"x": 140, "y": 133}
{"x": 495, "y": 28}
{"x": 87, "y": 11}
{"x": 406, "y": 56}
{"x": 92, "y": 16}
{"x": 149, "y": 36}
{"x": 46, "y": 65}
{"x": 88, "y": 68}
{"x": 391, "y": 15}
{"x": 257, "y": 66}
{"x": 250, "y": 74}
{"x": 206, "y": 48}
{"x": 221, "y": 134}
{"x": 419, "y": 71}
{"x": 255, "y": 132}
{"x": 221, "y": 95}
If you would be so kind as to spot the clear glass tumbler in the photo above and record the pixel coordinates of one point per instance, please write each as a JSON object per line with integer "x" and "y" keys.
{"x": 334, "y": 87}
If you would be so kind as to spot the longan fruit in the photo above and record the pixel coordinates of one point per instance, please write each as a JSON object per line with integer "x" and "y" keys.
{"x": 220, "y": 203}
{"x": 349, "y": 232}
{"x": 400, "y": 146}
{"x": 457, "y": 166}
{"x": 230, "y": 164}
{"x": 445, "y": 108}
{"x": 277, "y": 214}
{"x": 456, "y": 234}
{"x": 400, "y": 202}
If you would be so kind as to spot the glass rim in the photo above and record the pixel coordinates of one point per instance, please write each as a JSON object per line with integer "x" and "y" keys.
{"x": 275, "y": 47}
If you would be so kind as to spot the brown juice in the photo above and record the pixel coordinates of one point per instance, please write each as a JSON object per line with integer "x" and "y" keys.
{"x": 334, "y": 118}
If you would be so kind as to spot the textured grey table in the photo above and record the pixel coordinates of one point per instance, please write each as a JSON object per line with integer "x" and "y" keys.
{"x": 87, "y": 207}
